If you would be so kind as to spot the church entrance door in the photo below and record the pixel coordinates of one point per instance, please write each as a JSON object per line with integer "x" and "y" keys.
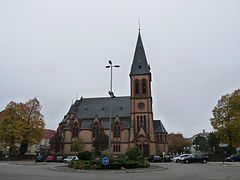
{"x": 143, "y": 145}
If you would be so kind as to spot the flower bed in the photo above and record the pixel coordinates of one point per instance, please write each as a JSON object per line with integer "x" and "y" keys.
{"x": 114, "y": 164}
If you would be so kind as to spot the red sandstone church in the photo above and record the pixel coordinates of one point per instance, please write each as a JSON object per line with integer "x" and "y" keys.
{"x": 132, "y": 117}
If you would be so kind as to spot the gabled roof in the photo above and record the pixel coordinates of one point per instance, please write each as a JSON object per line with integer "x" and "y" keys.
{"x": 48, "y": 133}
{"x": 139, "y": 64}
{"x": 89, "y": 108}
{"x": 158, "y": 127}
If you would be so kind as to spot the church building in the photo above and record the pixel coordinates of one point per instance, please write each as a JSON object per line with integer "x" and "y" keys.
{"x": 132, "y": 116}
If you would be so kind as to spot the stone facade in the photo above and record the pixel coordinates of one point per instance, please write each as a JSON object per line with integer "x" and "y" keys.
{"x": 132, "y": 121}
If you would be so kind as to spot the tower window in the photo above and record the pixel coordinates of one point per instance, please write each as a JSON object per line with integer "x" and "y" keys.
{"x": 144, "y": 87}
{"x": 136, "y": 87}
{"x": 137, "y": 122}
{"x": 144, "y": 121}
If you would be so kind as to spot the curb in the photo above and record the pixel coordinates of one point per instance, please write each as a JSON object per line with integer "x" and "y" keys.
{"x": 140, "y": 170}
{"x": 226, "y": 164}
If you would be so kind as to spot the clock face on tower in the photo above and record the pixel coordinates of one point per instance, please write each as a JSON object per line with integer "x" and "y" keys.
{"x": 141, "y": 105}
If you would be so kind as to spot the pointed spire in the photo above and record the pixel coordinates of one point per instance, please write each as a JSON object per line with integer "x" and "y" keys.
{"x": 139, "y": 64}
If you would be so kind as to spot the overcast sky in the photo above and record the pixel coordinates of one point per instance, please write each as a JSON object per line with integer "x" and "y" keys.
{"x": 57, "y": 50}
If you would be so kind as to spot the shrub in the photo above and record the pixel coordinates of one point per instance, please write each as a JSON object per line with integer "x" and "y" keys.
{"x": 142, "y": 164}
{"x": 70, "y": 164}
{"x": 76, "y": 166}
{"x": 85, "y": 155}
{"x": 87, "y": 166}
{"x": 129, "y": 165}
{"x": 134, "y": 154}
{"x": 114, "y": 166}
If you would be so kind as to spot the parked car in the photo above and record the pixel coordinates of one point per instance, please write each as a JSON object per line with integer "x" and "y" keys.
{"x": 154, "y": 158}
{"x": 39, "y": 158}
{"x": 166, "y": 158}
{"x": 70, "y": 158}
{"x": 195, "y": 158}
{"x": 178, "y": 158}
{"x": 50, "y": 158}
{"x": 233, "y": 157}
{"x": 59, "y": 159}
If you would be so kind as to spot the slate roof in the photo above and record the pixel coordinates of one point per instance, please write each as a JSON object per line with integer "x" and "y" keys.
{"x": 158, "y": 127}
{"x": 86, "y": 109}
{"x": 139, "y": 65}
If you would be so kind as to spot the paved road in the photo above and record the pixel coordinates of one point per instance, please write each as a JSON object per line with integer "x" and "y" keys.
{"x": 32, "y": 171}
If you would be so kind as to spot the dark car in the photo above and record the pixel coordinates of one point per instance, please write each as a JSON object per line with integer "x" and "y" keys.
{"x": 195, "y": 158}
{"x": 166, "y": 158}
{"x": 39, "y": 158}
{"x": 50, "y": 158}
{"x": 155, "y": 158}
{"x": 233, "y": 157}
{"x": 59, "y": 159}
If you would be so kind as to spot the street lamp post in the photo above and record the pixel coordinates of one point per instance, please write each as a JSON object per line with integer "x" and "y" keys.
{"x": 110, "y": 104}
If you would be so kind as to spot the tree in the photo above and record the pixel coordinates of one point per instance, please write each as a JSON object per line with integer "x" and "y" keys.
{"x": 226, "y": 119}
{"x": 22, "y": 124}
{"x": 134, "y": 153}
{"x": 101, "y": 141}
{"x": 213, "y": 142}
{"x": 11, "y": 126}
{"x": 56, "y": 142}
{"x": 201, "y": 144}
{"x": 176, "y": 143}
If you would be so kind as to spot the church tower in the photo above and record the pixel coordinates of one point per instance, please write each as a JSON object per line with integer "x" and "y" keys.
{"x": 142, "y": 127}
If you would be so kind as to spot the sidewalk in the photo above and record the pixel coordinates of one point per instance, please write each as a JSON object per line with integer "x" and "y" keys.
{"x": 228, "y": 164}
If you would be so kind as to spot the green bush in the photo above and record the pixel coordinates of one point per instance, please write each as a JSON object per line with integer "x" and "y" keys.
{"x": 87, "y": 166}
{"x": 143, "y": 164}
{"x": 134, "y": 153}
{"x": 114, "y": 166}
{"x": 85, "y": 155}
{"x": 76, "y": 166}
{"x": 130, "y": 165}
{"x": 70, "y": 164}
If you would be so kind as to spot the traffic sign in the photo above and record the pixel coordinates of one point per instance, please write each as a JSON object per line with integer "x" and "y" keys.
{"x": 105, "y": 160}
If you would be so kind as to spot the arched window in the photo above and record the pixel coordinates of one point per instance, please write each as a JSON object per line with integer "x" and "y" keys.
{"x": 137, "y": 122}
{"x": 95, "y": 130}
{"x": 144, "y": 87}
{"x": 144, "y": 121}
{"x": 141, "y": 120}
{"x": 161, "y": 138}
{"x": 137, "y": 87}
{"x": 75, "y": 130}
{"x": 165, "y": 138}
{"x": 116, "y": 131}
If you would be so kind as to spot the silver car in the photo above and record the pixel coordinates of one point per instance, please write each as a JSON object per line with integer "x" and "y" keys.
{"x": 179, "y": 158}
{"x": 69, "y": 158}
